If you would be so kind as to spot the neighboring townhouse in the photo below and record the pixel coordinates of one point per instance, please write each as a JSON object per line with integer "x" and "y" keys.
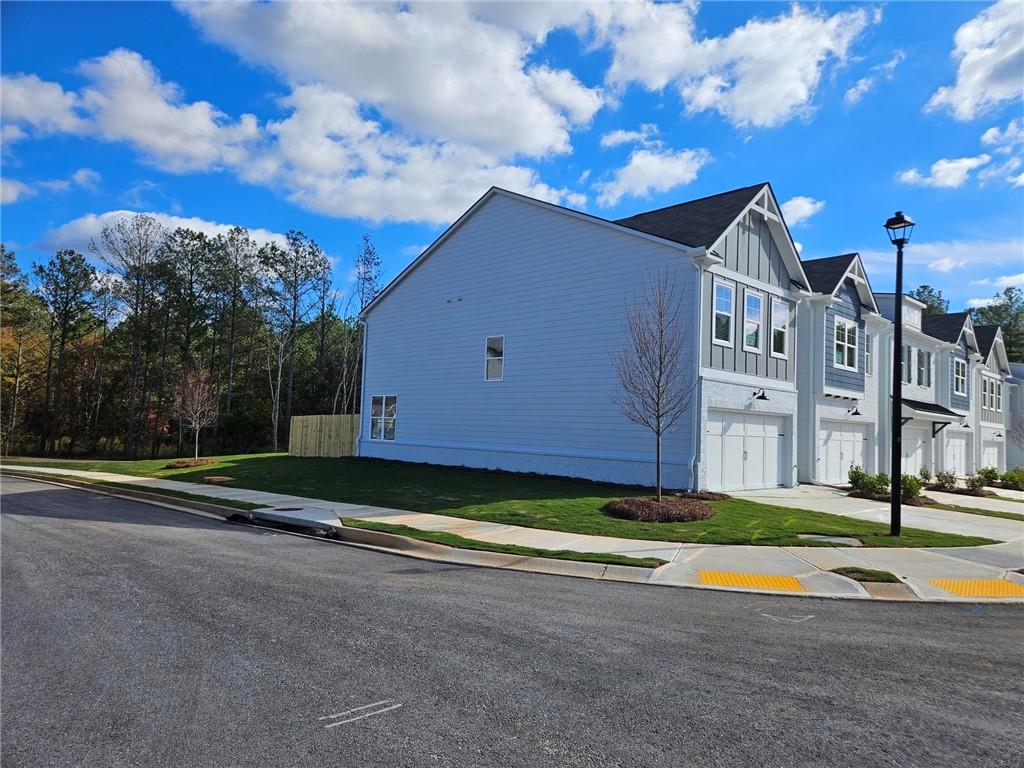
{"x": 990, "y": 412}
{"x": 494, "y": 347}
{"x": 925, "y": 411}
{"x": 1015, "y": 417}
{"x": 838, "y": 328}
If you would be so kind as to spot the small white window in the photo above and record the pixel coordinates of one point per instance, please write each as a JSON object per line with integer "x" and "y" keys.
{"x": 959, "y": 377}
{"x": 908, "y": 361}
{"x": 985, "y": 402}
{"x": 494, "y": 358}
{"x": 780, "y": 328}
{"x": 383, "y": 415}
{"x": 845, "y": 344}
{"x": 752, "y": 307}
{"x": 869, "y": 348}
{"x": 924, "y": 368}
{"x": 724, "y": 294}
{"x": 999, "y": 396}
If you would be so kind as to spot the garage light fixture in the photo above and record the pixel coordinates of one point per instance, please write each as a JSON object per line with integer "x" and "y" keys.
{"x": 999, "y": 434}
{"x": 855, "y": 411}
{"x": 759, "y": 394}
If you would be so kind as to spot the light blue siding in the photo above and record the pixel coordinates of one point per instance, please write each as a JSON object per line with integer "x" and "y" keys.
{"x": 555, "y": 286}
{"x": 846, "y": 305}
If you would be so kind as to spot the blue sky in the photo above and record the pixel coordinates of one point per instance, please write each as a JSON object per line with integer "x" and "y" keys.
{"x": 392, "y": 119}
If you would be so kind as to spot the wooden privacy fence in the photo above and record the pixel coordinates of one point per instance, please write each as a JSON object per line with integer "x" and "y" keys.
{"x": 329, "y": 435}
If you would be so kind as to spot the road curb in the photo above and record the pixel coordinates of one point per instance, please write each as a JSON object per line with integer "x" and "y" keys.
{"x": 396, "y": 544}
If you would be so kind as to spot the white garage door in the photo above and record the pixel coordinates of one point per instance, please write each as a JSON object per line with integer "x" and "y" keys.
{"x": 956, "y": 455}
{"x": 917, "y": 449}
{"x": 840, "y": 446}
{"x": 745, "y": 451}
{"x": 991, "y": 453}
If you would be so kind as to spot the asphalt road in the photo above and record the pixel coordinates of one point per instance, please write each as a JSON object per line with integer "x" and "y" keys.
{"x": 138, "y": 636}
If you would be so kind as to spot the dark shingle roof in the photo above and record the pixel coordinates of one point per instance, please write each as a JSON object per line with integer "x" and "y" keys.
{"x": 986, "y": 336}
{"x": 824, "y": 274}
{"x": 696, "y": 223}
{"x": 920, "y": 405}
{"x": 944, "y": 327}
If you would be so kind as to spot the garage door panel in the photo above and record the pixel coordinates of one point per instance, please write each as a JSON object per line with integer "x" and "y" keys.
{"x": 841, "y": 445}
{"x": 744, "y": 451}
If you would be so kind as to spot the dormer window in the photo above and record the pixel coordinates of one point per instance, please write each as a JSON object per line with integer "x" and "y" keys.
{"x": 845, "y": 344}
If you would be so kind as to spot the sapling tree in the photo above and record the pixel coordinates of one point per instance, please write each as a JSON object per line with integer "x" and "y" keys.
{"x": 197, "y": 402}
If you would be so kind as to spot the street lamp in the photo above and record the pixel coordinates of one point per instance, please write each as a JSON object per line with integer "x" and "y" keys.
{"x": 898, "y": 227}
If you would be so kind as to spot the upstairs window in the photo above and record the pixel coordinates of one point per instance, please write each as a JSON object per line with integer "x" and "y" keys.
{"x": 924, "y": 368}
{"x": 780, "y": 328}
{"x": 845, "y": 344}
{"x": 494, "y": 358}
{"x": 383, "y": 415}
{"x": 753, "y": 305}
{"x": 724, "y": 296}
{"x": 908, "y": 360}
{"x": 869, "y": 348}
{"x": 999, "y": 396}
{"x": 959, "y": 377}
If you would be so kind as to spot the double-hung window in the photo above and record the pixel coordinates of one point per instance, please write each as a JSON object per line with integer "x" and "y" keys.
{"x": 869, "y": 358}
{"x": 985, "y": 401}
{"x": 999, "y": 396}
{"x": 959, "y": 377}
{"x": 924, "y": 368}
{"x": 494, "y": 358}
{"x": 846, "y": 344}
{"x": 383, "y": 415}
{"x": 780, "y": 328}
{"x": 724, "y": 298}
{"x": 752, "y": 311}
{"x": 908, "y": 360}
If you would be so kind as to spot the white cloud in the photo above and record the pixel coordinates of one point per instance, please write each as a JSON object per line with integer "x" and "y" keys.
{"x": 620, "y": 136}
{"x": 799, "y": 246}
{"x": 1007, "y": 139}
{"x": 860, "y": 89}
{"x": 946, "y": 264}
{"x": 86, "y": 177}
{"x": 990, "y": 52}
{"x": 982, "y": 255}
{"x": 978, "y": 303}
{"x": 439, "y": 71}
{"x": 762, "y": 73}
{"x": 413, "y": 250}
{"x": 12, "y": 191}
{"x": 800, "y": 208}
{"x": 78, "y": 233}
{"x": 652, "y": 171}
{"x": 945, "y": 173}
{"x": 1010, "y": 281}
{"x": 45, "y": 107}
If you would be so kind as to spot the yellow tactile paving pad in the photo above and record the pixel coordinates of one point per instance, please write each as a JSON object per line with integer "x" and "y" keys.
{"x": 980, "y": 587}
{"x": 750, "y": 580}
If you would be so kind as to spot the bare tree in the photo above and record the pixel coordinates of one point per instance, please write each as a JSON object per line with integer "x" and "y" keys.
{"x": 656, "y": 378}
{"x": 197, "y": 402}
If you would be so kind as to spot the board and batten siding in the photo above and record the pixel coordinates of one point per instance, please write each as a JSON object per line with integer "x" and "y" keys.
{"x": 556, "y": 287}
{"x": 960, "y": 402}
{"x": 749, "y": 249}
{"x": 847, "y": 305}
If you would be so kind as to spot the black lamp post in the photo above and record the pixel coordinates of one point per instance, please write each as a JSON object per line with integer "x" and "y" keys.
{"x": 898, "y": 228}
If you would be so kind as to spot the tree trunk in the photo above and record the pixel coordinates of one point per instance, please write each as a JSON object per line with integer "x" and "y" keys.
{"x": 657, "y": 462}
{"x": 14, "y": 398}
{"x": 197, "y": 443}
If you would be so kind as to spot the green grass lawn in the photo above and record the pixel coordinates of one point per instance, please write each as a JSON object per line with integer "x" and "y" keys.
{"x": 867, "y": 574}
{"x": 976, "y": 511}
{"x": 534, "y": 502}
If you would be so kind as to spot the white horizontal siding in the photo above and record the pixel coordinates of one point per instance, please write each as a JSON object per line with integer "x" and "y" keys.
{"x": 556, "y": 288}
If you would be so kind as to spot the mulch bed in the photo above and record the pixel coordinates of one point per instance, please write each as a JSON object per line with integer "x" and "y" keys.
{"x": 186, "y": 463}
{"x": 702, "y": 495}
{"x": 962, "y": 491}
{"x": 670, "y": 509}
{"x": 215, "y": 479}
{"x": 920, "y": 501}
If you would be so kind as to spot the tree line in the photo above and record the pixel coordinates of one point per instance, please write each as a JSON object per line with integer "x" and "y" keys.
{"x": 107, "y": 360}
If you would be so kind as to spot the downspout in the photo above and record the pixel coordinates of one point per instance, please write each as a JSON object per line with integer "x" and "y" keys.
{"x": 362, "y": 387}
{"x": 695, "y": 443}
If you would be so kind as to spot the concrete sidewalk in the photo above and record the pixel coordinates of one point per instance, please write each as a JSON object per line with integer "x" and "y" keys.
{"x": 965, "y": 573}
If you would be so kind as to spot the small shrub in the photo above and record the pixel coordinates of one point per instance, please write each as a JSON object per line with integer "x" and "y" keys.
{"x": 991, "y": 474}
{"x": 648, "y": 510}
{"x": 910, "y": 487}
{"x": 945, "y": 480}
{"x": 858, "y": 478}
{"x": 879, "y": 483}
{"x": 976, "y": 482}
{"x": 1013, "y": 479}
{"x": 925, "y": 474}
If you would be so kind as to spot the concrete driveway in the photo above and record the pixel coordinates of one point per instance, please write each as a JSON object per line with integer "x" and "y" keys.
{"x": 818, "y": 498}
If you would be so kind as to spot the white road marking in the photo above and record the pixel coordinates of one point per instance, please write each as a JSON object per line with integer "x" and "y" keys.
{"x": 792, "y": 619}
{"x": 360, "y": 717}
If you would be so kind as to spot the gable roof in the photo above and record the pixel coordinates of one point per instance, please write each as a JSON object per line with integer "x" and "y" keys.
{"x": 987, "y": 336}
{"x": 828, "y": 274}
{"x": 946, "y": 327}
{"x": 698, "y": 222}
{"x": 825, "y": 274}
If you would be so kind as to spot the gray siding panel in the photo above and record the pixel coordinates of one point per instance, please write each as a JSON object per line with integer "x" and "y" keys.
{"x": 960, "y": 402}
{"x": 847, "y": 305}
